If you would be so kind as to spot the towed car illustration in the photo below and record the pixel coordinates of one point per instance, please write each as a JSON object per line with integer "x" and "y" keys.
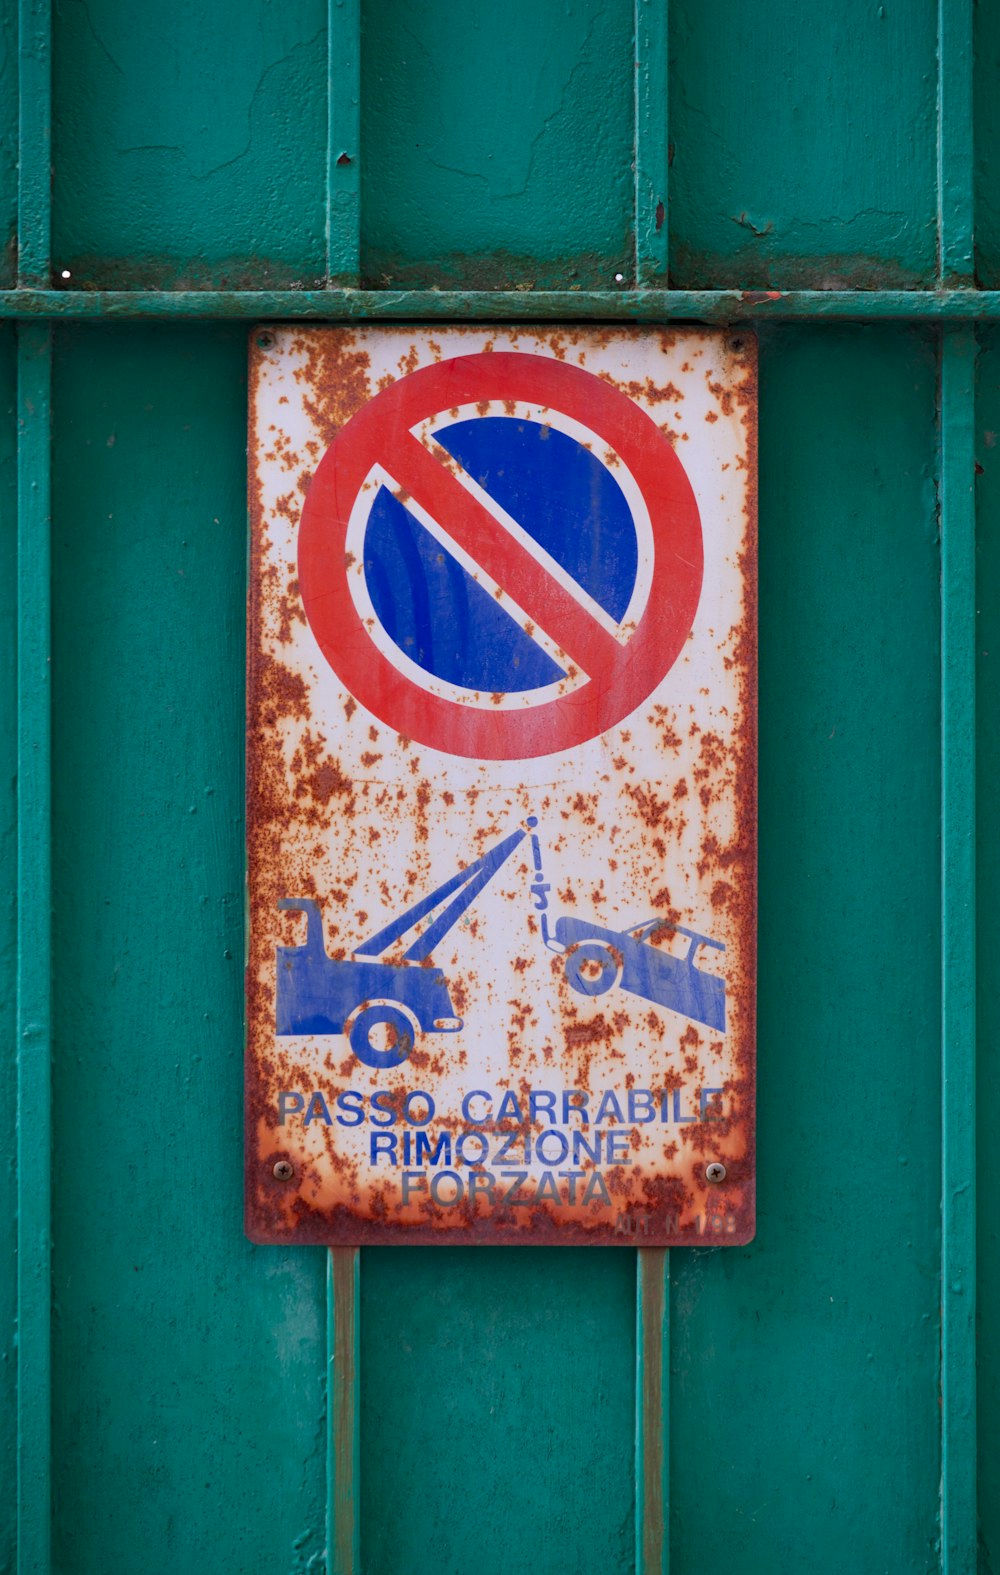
{"x": 597, "y": 959}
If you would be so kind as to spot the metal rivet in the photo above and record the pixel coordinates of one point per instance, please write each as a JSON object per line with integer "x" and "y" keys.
{"x": 713, "y": 1172}
{"x": 284, "y": 1170}
{"x": 265, "y": 341}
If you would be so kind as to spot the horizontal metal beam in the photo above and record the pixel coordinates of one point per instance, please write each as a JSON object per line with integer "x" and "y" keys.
{"x": 709, "y": 306}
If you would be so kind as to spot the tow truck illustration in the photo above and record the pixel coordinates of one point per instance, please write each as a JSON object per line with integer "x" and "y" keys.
{"x": 598, "y": 958}
{"x": 368, "y": 999}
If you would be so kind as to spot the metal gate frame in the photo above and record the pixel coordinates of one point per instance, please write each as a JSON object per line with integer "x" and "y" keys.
{"x": 954, "y": 304}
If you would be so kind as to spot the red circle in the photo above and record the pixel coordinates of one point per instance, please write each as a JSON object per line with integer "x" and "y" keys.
{"x": 632, "y": 671}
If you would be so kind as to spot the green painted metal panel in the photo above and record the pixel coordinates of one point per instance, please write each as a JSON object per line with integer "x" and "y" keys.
{"x": 34, "y": 947}
{"x": 988, "y": 681}
{"x": 8, "y": 947}
{"x": 186, "y": 155}
{"x": 803, "y": 1367}
{"x": 189, "y": 1367}
{"x": 229, "y": 1340}
{"x": 189, "y": 146}
{"x": 987, "y": 145}
{"x": 497, "y": 143}
{"x": 8, "y": 144}
{"x": 794, "y": 162}
{"x": 809, "y": 1359}
{"x": 504, "y": 1381}
{"x": 216, "y": 1406}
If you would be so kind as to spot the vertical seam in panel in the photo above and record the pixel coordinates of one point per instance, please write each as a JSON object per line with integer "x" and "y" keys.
{"x": 343, "y": 1529}
{"x": 652, "y": 1431}
{"x": 34, "y": 952}
{"x": 343, "y": 148}
{"x": 652, "y": 144}
{"x": 34, "y": 174}
{"x": 34, "y": 806}
{"x": 958, "y": 1005}
{"x": 955, "y": 153}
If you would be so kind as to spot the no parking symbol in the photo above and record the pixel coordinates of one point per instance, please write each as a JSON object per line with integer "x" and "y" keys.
{"x": 512, "y": 580}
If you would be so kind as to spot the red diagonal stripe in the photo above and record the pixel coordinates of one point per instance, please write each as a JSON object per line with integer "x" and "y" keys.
{"x": 547, "y": 603}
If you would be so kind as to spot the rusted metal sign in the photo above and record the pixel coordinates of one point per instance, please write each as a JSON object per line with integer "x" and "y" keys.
{"x": 501, "y": 786}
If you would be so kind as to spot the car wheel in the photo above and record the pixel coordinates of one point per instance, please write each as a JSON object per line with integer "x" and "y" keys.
{"x": 389, "y": 1048}
{"x": 591, "y": 968}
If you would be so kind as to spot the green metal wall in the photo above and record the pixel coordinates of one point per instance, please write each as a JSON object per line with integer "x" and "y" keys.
{"x": 176, "y": 1401}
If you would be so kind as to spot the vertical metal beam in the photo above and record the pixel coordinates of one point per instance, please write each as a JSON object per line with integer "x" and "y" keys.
{"x": 955, "y": 151}
{"x": 956, "y": 264}
{"x": 34, "y": 807}
{"x": 34, "y": 189}
{"x": 34, "y": 953}
{"x": 958, "y": 960}
{"x": 652, "y": 1382}
{"x": 343, "y": 267}
{"x": 652, "y": 144}
{"x": 343, "y": 148}
{"x": 343, "y": 1530}
{"x": 652, "y": 263}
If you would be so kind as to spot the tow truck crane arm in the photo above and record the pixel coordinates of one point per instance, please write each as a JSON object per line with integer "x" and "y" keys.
{"x": 468, "y": 882}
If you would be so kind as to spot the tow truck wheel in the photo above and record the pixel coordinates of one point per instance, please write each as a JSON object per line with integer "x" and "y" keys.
{"x": 591, "y": 968}
{"x": 390, "y": 1048}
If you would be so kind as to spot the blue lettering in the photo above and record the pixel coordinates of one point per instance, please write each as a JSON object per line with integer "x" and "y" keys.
{"x": 437, "y": 1180}
{"x": 386, "y": 1105}
{"x": 289, "y": 1105}
{"x": 507, "y": 1141}
{"x": 519, "y": 1177}
{"x": 583, "y": 1150}
{"x": 677, "y": 1109}
{"x": 609, "y": 1102}
{"x": 595, "y": 1184}
{"x": 462, "y": 1158}
{"x": 711, "y": 1109}
{"x": 439, "y": 1154}
{"x": 352, "y": 1102}
{"x": 317, "y": 1111}
{"x": 550, "y": 1159}
{"x": 569, "y": 1107}
{"x": 618, "y": 1148}
{"x": 547, "y": 1188}
{"x": 408, "y": 1115}
{"x": 476, "y": 1121}
{"x": 481, "y": 1181}
{"x": 383, "y": 1143}
{"x": 510, "y": 1110}
{"x": 575, "y": 1103}
{"x": 639, "y": 1114}
{"x": 541, "y": 1099}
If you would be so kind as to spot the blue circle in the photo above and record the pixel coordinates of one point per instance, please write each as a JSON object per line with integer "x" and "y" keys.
{"x": 560, "y": 494}
{"x": 360, "y": 1036}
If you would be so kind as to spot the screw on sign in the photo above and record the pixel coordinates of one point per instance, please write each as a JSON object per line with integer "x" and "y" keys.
{"x": 501, "y": 843}
{"x": 576, "y": 586}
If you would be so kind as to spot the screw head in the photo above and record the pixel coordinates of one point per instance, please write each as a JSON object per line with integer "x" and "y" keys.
{"x": 715, "y": 1171}
{"x": 265, "y": 340}
{"x": 284, "y": 1170}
